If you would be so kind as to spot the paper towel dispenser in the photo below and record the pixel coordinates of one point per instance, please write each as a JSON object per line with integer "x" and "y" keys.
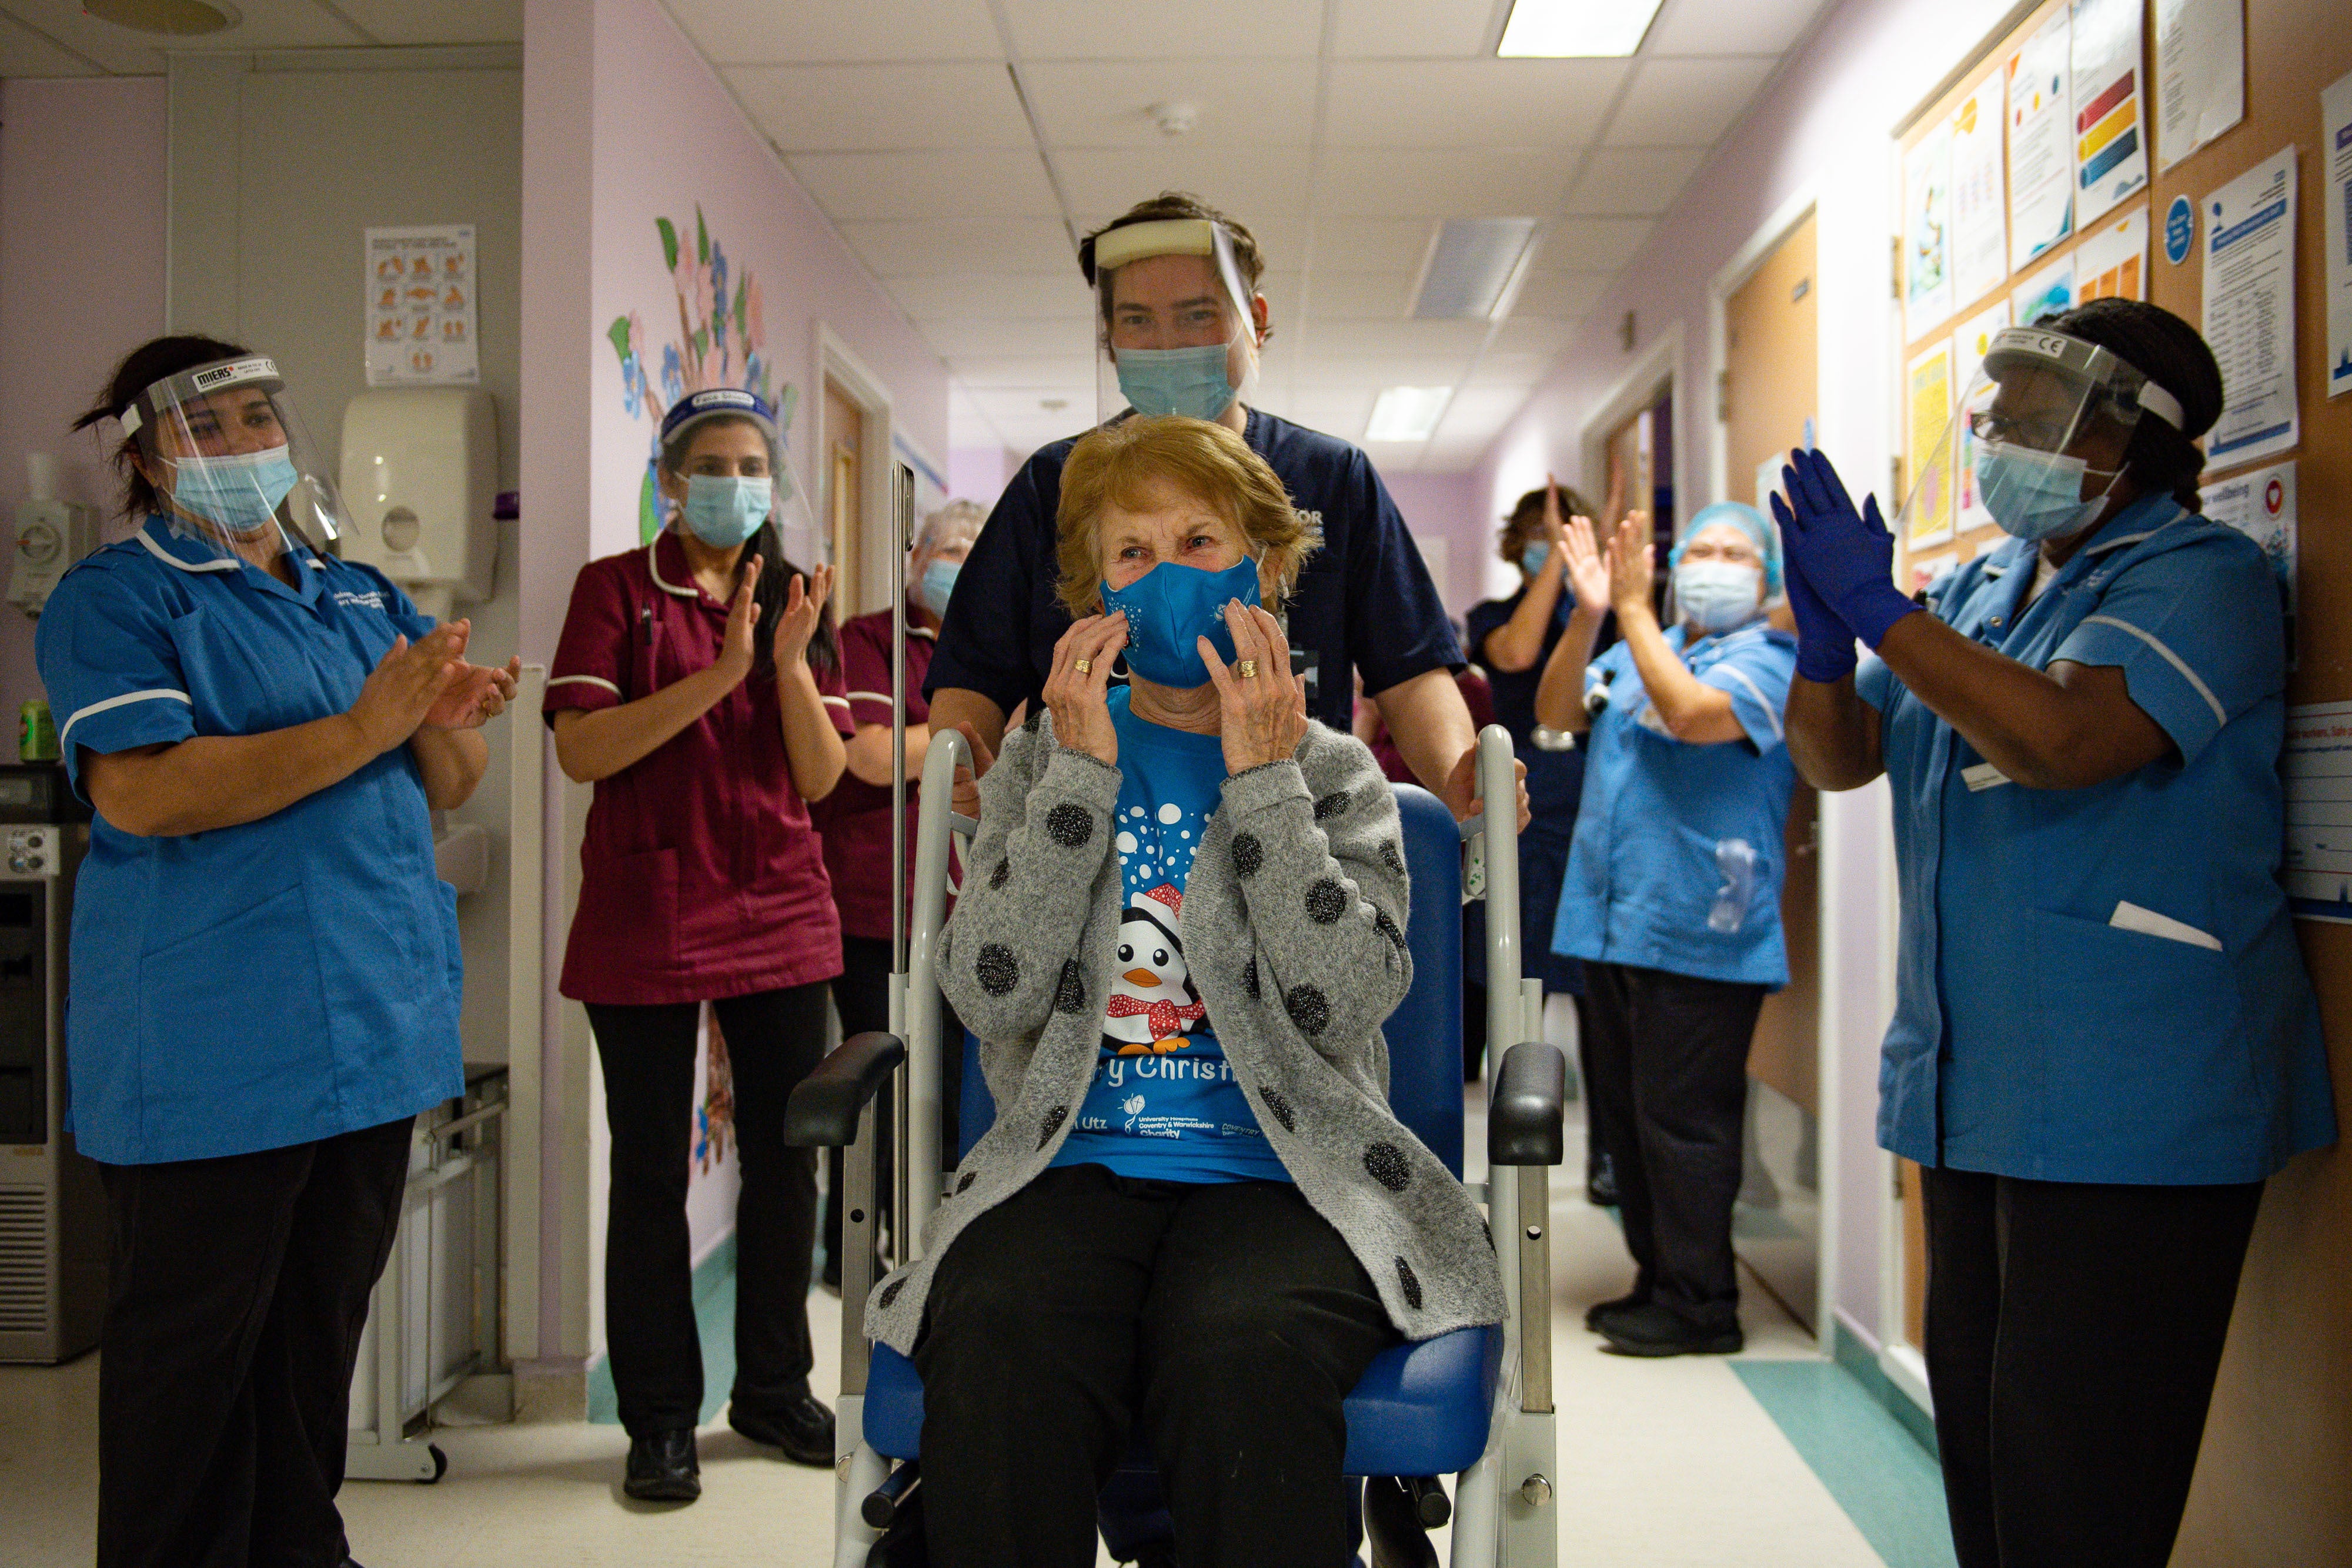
{"x": 420, "y": 470}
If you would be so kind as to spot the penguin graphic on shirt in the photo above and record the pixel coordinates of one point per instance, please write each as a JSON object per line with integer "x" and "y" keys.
{"x": 1153, "y": 1005}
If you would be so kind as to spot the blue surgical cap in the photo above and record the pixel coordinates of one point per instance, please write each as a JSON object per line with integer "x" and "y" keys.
{"x": 1748, "y": 520}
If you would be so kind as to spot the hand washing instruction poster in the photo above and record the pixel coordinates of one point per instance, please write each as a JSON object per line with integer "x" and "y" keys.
{"x": 1979, "y": 201}
{"x": 420, "y": 315}
{"x": 2110, "y": 147}
{"x": 2317, "y": 764}
{"x": 2250, "y": 310}
{"x": 2041, "y": 145}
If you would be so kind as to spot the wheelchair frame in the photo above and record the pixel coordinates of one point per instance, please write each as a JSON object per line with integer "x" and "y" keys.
{"x": 1503, "y": 1514}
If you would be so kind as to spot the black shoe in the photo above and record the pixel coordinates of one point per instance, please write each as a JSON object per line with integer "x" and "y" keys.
{"x": 1655, "y": 1331}
{"x": 1600, "y": 1183}
{"x": 829, "y": 1273}
{"x": 663, "y": 1467}
{"x": 799, "y": 1424}
{"x": 1598, "y": 1315}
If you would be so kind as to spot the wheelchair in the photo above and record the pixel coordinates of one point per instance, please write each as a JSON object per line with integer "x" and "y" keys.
{"x": 1475, "y": 1403}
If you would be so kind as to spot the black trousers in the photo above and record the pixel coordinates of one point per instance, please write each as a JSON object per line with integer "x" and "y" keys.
{"x": 1667, "y": 1088}
{"x": 773, "y": 1039}
{"x": 2073, "y": 1331}
{"x": 238, "y": 1292}
{"x": 861, "y": 995}
{"x": 1224, "y": 1322}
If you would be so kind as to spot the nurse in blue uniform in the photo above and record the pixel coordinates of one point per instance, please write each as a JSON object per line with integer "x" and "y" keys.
{"x": 265, "y": 968}
{"x": 2104, "y": 1038}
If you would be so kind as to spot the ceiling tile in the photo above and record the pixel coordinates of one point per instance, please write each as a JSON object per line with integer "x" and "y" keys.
{"x": 266, "y": 25}
{"x": 1730, "y": 27}
{"x": 761, "y": 32}
{"x": 1513, "y": 367}
{"x": 1002, "y": 297}
{"x": 1240, "y": 103}
{"x": 1516, "y": 335}
{"x": 880, "y": 108}
{"x": 1441, "y": 184}
{"x": 1560, "y": 294}
{"x": 437, "y": 21}
{"x": 1476, "y": 413}
{"x": 1339, "y": 411}
{"x": 1376, "y": 339}
{"x": 1427, "y": 104}
{"x": 1420, "y": 29}
{"x": 1318, "y": 368}
{"x": 985, "y": 182}
{"x": 26, "y": 53}
{"x": 1361, "y": 295}
{"x": 1590, "y": 245}
{"x": 1634, "y": 180}
{"x": 1686, "y": 103}
{"x": 1372, "y": 244}
{"x": 949, "y": 246}
{"x": 1172, "y": 29}
{"x": 965, "y": 338}
{"x": 1067, "y": 369}
{"x": 1273, "y": 181}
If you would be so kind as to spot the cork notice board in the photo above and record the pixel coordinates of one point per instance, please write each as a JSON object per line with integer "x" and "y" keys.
{"x": 2270, "y": 1484}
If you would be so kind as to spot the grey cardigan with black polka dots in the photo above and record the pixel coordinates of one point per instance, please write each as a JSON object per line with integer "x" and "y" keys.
{"x": 1292, "y": 925}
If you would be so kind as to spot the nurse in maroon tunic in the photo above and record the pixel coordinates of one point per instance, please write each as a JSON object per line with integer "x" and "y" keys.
{"x": 691, "y": 687}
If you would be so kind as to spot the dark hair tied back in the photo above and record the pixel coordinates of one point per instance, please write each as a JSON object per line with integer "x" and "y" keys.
{"x": 150, "y": 362}
{"x": 2169, "y": 352}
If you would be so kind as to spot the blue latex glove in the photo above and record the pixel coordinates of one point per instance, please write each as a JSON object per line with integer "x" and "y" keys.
{"x": 1847, "y": 557}
{"x": 1824, "y": 642}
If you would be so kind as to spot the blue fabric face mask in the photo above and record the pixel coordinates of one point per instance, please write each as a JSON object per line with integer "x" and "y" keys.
{"x": 1189, "y": 382}
{"x": 725, "y": 509}
{"x": 1532, "y": 559}
{"x": 2034, "y": 494}
{"x": 1171, "y": 606}
{"x": 239, "y": 493}
{"x": 938, "y": 582}
{"x": 1716, "y": 595}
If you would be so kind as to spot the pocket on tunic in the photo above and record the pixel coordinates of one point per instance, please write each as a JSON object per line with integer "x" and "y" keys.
{"x": 233, "y": 1020}
{"x": 628, "y": 907}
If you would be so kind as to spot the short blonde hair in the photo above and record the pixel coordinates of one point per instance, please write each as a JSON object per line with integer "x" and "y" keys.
{"x": 1118, "y": 464}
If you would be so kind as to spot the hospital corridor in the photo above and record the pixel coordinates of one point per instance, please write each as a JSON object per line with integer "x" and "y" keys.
{"x": 1051, "y": 783}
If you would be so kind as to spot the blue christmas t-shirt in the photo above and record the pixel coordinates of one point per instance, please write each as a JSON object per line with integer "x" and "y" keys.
{"x": 1164, "y": 1103}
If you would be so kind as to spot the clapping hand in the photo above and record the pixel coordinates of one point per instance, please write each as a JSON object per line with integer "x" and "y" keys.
{"x": 804, "y": 606}
{"x": 408, "y": 684}
{"x": 737, "y": 645}
{"x": 478, "y": 692}
{"x": 1632, "y": 573}
{"x": 1588, "y": 573}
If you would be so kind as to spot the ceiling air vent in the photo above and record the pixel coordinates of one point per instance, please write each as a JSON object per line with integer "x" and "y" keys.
{"x": 1473, "y": 268}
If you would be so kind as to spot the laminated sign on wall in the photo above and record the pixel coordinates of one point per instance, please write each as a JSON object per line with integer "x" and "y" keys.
{"x": 2250, "y": 310}
{"x": 420, "y": 315}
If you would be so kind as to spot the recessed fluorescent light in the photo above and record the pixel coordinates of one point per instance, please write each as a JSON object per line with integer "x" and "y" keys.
{"x": 1471, "y": 264}
{"x": 1408, "y": 413}
{"x": 1558, "y": 29}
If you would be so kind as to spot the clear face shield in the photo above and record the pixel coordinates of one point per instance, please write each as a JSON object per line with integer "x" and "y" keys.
{"x": 731, "y": 475}
{"x": 2036, "y": 440}
{"x": 1173, "y": 326}
{"x": 230, "y": 463}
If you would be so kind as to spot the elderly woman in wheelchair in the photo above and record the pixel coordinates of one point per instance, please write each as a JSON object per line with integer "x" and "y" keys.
{"x": 1196, "y": 1219}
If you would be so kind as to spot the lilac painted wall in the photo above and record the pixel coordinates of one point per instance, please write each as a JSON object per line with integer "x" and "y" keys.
{"x": 1444, "y": 513}
{"x": 980, "y": 472}
{"x": 81, "y": 283}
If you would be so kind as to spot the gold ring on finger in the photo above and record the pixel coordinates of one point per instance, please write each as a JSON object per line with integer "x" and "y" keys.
{"x": 1085, "y": 666}
{"x": 1246, "y": 669}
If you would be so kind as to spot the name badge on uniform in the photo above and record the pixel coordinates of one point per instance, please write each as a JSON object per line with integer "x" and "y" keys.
{"x": 1983, "y": 775}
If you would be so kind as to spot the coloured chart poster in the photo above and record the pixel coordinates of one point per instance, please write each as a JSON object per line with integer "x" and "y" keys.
{"x": 1980, "y": 198}
{"x": 1928, "y": 514}
{"x": 2113, "y": 263}
{"x": 1968, "y": 346}
{"x": 2041, "y": 145}
{"x": 1927, "y": 232}
{"x": 2110, "y": 148}
{"x": 420, "y": 315}
{"x": 2250, "y": 310}
{"x": 2318, "y": 765}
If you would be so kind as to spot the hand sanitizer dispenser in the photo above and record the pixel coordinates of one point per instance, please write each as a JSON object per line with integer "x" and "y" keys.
{"x": 420, "y": 470}
{"x": 52, "y": 535}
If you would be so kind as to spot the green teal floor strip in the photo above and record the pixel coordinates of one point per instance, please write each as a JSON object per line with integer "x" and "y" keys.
{"x": 714, "y": 1321}
{"x": 1880, "y": 1476}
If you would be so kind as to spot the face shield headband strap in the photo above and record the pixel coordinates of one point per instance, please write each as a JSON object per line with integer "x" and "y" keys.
{"x": 2016, "y": 347}
{"x": 1101, "y": 256}
{"x": 202, "y": 380}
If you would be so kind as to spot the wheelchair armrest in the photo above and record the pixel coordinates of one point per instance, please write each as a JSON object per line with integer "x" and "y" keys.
{"x": 1523, "y": 1116}
{"x": 823, "y": 1110}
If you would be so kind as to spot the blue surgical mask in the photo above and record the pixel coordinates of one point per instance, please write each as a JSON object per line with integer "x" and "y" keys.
{"x": 2034, "y": 494}
{"x": 1172, "y": 606}
{"x": 1176, "y": 380}
{"x": 1716, "y": 595}
{"x": 239, "y": 492}
{"x": 938, "y": 582}
{"x": 1532, "y": 559}
{"x": 725, "y": 509}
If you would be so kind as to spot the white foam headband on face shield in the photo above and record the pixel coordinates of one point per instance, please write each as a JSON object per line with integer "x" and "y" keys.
{"x": 1162, "y": 237}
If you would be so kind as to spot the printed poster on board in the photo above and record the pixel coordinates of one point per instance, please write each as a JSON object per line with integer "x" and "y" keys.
{"x": 2259, "y": 504}
{"x": 2041, "y": 145}
{"x": 2200, "y": 74}
{"x": 1968, "y": 346}
{"x": 2110, "y": 147}
{"x": 2113, "y": 263}
{"x": 2049, "y": 292}
{"x": 2317, "y": 766}
{"x": 1928, "y": 405}
{"x": 420, "y": 314}
{"x": 2336, "y": 152}
{"x": 1927, "y": 232}
{"x": 2250, "y": 311}
{"x": 1980, "y": 199}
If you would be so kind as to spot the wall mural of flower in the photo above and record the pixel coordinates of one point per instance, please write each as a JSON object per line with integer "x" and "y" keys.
{"x": 721, "y": 342}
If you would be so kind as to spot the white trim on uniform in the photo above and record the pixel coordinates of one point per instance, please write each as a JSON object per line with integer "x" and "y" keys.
{"x": 2221, "y": 715}
{"x": 151, "y": 695}
{"x": 654, "y": 571}
{"x": 865, "y": 697}
{"x": 1754, "y": 691}
{"x": 584, "y": 680}
{"x": 842, "y": 701}
{"x": 162, "y": 554}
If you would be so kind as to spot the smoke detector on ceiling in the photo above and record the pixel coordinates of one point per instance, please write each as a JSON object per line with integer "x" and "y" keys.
{"x": 1174, "y": 119}
{"x": 174, "y": 18}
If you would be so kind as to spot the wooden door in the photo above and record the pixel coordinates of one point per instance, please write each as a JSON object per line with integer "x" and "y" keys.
{"x": 1766, "y": 401}
{"x": 843, "y": 439}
